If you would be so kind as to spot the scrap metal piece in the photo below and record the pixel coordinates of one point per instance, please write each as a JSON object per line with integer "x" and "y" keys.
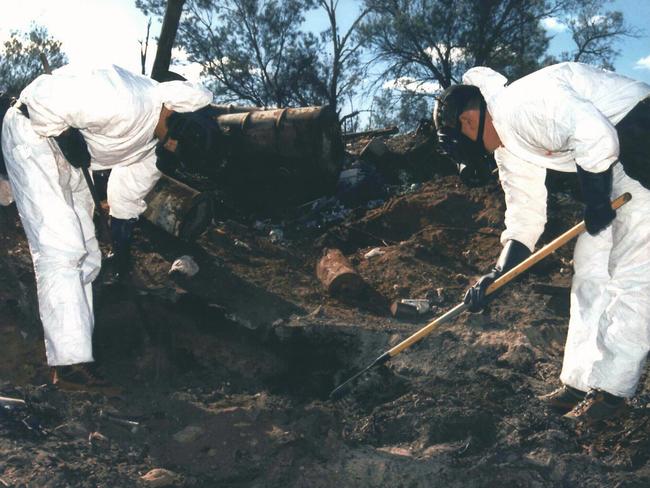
{"x": 132, "y": 425}
{"x": 399, "y": 310}
{"x": 337, "y": 274}
{"x": 280, "y": 157}
{"x": 179, "y": 209}
{"x": 388, "y": 131}
{"x": 308, "y": 133}
{"x": 12, "y": 404}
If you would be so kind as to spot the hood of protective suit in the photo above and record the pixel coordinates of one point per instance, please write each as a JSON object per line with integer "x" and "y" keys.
{"x": 183, "y": 96}
{"x": 561, "y": 115}
{"x": 487, "y": 80}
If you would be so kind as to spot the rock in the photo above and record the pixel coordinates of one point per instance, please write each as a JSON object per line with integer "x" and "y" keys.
{"x": 276, "y": 236}
{"x": 242, "y": 245}
{"x": 158, "y": 477}
{"x": 185, "y": 265}
{"x": 518, "y": 356}
{"x": 6, "y": 195}
{"x": 377, "y": 251}
{"x": 359, "y": 184}
{"x": 98, "y": 439}
{"x": 188, "y": 434}
{"x": 540, "y": 457}
{"x": 72, "y": 428}
{"x": 376, "y": 148}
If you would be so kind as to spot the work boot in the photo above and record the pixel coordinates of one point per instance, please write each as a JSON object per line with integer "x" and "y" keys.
{"x": 82, "y": 377}
{"x": 598, "y": 405}
{"x": 565, "y": 398}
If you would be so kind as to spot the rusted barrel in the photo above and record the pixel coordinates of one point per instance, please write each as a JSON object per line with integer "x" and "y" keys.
{"x": 217, "y": 110}
{"x": 307, "y": 132}
{"x": 337, "y": 274}
{"x": 179, "y": 209}
{"x": 275, "y": 157}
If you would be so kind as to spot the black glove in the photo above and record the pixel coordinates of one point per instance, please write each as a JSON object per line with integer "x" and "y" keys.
{"x": 166, "y": 161}
{"x": 596, "y": 190}
{"x": 513, "y": 253}
{"x": 74, "y": 148}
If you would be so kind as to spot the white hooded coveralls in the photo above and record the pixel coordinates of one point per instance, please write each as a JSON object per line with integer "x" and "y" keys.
{"x": 117, "y": 112}
{"x": 559, "y": 117}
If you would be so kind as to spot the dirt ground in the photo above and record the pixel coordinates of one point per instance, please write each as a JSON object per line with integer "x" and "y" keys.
{"x": 226, "y": 375}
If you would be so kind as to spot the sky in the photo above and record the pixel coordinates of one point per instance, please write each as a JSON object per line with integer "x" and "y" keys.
{"x": 634, "y": 60}
{"x": 92, "y": 32}
{"x": 110, "y": 30}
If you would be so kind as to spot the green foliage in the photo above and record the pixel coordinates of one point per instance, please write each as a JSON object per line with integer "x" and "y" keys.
{"x": 437, "y": 40}
{"x": 20, "y": 61}
{"x": 253, "y": 50}
{"x": 256, "y": 51}
{"x": 405, "y": 109}
{"x": 595, "y": 32}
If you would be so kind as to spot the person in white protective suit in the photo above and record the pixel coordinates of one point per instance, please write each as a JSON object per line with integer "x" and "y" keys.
{"x": 574, "y": 118}
{"x": 6, "y": 195}
{"x": 105, "y": 118}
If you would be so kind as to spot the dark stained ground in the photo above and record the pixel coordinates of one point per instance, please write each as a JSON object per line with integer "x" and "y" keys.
{"x": 227, "y": 374}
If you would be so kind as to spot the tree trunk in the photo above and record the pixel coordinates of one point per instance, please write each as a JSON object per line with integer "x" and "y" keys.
{"x": 167, "y": 38}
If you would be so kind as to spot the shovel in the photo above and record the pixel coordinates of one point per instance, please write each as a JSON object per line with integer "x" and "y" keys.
{"x": 549, "y": 248}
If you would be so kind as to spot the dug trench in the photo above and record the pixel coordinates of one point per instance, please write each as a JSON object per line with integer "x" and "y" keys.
{"x": 226, "y": 375}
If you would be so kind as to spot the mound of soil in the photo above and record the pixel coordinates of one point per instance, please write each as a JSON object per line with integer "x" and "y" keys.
{"x": 226, "y": 375}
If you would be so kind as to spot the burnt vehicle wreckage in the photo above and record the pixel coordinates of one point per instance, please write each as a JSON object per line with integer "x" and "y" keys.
{"x": 304, "y": 257}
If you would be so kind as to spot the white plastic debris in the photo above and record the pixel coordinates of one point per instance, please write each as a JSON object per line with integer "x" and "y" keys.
{"x": 241, "y": 244}
{"x": 377, "y": 251}
{"x": 276, "y": 236}
{"x": 159, "y": 477}
{"x": 185, "y": 265}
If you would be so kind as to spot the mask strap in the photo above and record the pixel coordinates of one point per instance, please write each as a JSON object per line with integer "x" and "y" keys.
{"x": 481, "y": 125}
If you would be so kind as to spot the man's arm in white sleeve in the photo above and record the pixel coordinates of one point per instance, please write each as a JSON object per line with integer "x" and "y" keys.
{"x": 524, "y": 185}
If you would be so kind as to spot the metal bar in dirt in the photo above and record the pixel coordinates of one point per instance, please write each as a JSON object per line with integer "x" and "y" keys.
{"x": 342, "y": 389}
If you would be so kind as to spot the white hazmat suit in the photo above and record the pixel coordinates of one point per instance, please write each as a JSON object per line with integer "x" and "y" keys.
{"x": 559, "y": 117}
{"x": 117, "y": 112}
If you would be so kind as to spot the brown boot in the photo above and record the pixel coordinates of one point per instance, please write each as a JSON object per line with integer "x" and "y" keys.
{"x": 82, "y": 377}
{"x": 564, "y": 398}
{"x": 598, "y": 405}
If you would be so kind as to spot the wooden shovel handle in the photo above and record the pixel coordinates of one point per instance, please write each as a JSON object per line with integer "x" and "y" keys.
{"x": 505, "y": 278}
{"x": 548, "y": 249}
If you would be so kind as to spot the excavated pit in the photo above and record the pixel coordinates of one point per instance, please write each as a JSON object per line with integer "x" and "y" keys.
{"x": 172, "y": 338}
